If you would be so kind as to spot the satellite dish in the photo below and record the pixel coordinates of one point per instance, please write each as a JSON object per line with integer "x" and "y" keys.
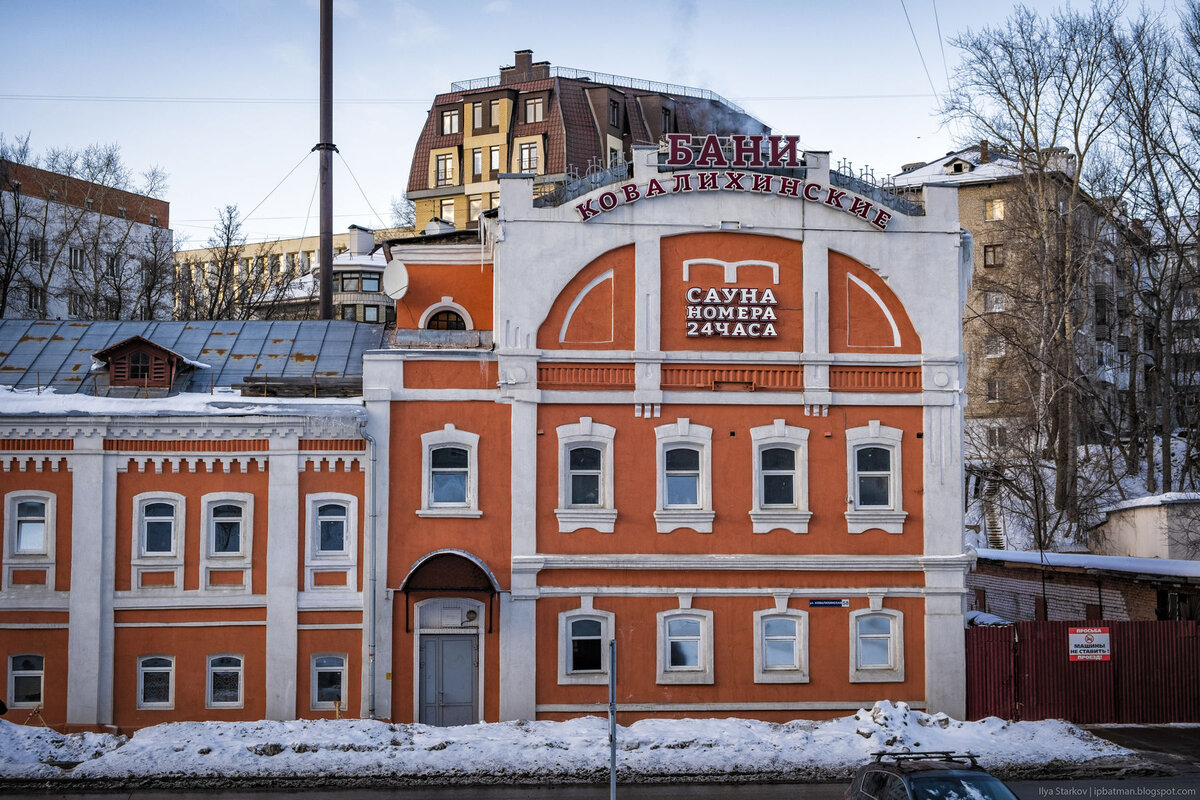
{"x": 395, "y": 279}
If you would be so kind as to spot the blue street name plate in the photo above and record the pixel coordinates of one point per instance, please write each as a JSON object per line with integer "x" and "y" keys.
{"x": 824, "y": 603}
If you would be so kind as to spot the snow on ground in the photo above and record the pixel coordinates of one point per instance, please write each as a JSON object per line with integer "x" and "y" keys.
{"x": 576, "y": 750}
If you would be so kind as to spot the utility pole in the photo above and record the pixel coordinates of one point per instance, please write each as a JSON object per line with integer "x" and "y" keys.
{"x": 327, "y": 148}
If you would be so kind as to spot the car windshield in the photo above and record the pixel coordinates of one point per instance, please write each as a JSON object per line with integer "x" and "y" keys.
{"x": 959, "y": 787}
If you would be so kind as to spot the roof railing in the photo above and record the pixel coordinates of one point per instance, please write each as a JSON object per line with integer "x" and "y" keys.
{"x": 640, "y": 84}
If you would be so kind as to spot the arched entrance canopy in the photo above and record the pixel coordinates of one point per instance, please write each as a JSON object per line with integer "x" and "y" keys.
{"x": 449, "y": 570}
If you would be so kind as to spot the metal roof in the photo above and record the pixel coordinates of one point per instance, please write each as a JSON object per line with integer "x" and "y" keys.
{"x": 59, "y": 353}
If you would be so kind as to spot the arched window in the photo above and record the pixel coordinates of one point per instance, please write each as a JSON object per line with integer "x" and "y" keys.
{"x": 446, "y": 320}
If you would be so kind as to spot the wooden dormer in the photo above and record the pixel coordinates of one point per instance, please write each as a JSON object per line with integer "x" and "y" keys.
{"x": 956, "y": 166}
{"x": 137, "y": 361}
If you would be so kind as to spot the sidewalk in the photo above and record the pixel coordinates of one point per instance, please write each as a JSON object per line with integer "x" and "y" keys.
{"x": 1176, "y": 747}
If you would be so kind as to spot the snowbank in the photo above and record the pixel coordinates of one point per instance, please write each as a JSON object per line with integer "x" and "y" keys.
{"x": 513, "y": 752}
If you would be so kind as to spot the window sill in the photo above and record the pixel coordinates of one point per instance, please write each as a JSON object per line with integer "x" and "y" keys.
{"x": 877, "y": 675}
{"x": 782, "y": 676}
{"x": 671, "y": 519}
{"x": 863, "y": 520}
{"x": 468, "y": 513}
{"x": 685, "y": 677}
{"x": 583, "y": 679}
{"x": 767, "y": 520}
{"x": 572, "y": 519}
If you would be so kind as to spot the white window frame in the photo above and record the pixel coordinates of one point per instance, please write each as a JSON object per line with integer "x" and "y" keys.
{"x": 702, "y": 673}
{"x": 450, "y": 121}
{"x": 317, "y": 560}
{"x": 450, "y": 436}
{"x": 889, "y": 518}
{"x": 794, "y": 517}
{"x": 993, "y": 209}
{"x": 894, "y": 670}
{"x": 211, "y": 559}
{"x": 607, "y": 625}
{"x": 798, "y": 673}
{"x": 536, "y": 105}
{"x": 143, "y": 669}
{"x": 528, "y": 155}
{"x": 446, "y": 304}
{"x": 327, "y": 705}
{"x": 158, "y": 562}
{"x": 14, "y": 673}
{"x": 43, "y": 559}
{"x": 683, "y": 433}
{"x": 994, "y": 390}
{"x": 586, "y": 433}
{"x": 209, "y": 702}
{"x": 446, "y": 209}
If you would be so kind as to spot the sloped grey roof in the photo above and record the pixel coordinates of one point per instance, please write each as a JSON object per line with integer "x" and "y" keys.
{"x": 59, "y": 353}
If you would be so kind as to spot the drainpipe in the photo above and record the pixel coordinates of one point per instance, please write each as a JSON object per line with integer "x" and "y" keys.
{"x": 371, "y": 582}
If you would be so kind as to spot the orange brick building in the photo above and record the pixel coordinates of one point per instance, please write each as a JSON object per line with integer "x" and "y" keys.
{"x": 711, "y": 412}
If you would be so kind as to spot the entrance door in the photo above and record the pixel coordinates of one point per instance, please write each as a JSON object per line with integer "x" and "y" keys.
{"x": 449, "y": 679}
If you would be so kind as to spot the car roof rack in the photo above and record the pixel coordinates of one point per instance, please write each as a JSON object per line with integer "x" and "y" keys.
{"x": 927, "y": 755}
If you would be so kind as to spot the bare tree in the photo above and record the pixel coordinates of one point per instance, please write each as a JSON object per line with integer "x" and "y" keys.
{"x": 20, "y": 236}
{"x": 1041, "y": 91}
{"x": 235, "y": 280}
{"x": 404, "y": 213}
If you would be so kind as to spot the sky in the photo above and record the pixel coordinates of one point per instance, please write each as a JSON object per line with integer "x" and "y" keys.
{"x": 222, "y": 94}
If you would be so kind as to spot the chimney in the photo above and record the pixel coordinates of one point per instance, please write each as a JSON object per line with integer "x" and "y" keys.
{"x": 522, "y": 61}
{"x": 362, "y": 240}
{"x": 983, "y": 151}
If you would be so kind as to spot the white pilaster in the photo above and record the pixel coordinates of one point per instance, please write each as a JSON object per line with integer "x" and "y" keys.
{"x": 379, "y": 410}
{"x": 93, "y": 562}
{"x": 518, "y": 628}
{"x": 283, "y": 557}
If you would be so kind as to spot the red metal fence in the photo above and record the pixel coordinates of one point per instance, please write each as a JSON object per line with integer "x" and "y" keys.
{"x": 1022, "y": 671}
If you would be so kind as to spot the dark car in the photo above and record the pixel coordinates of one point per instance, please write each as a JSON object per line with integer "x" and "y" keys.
{"x": 937, "y": 775}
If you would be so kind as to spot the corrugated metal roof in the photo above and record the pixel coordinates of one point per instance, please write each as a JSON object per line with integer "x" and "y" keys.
{"x": 59, "y": 353}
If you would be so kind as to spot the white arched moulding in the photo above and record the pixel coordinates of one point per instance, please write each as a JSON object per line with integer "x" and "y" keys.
{"x": 446, "y": 304}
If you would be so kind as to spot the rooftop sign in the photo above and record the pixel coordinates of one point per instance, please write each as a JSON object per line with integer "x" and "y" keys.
{"x": 718, "y": 170}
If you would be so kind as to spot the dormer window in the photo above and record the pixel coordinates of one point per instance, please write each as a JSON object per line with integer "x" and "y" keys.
{"x": 142, "y": 363}
{"x": 958, "y": 166}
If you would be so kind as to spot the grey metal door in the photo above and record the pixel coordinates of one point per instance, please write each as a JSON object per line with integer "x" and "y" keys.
{"x": 449, "y": 679}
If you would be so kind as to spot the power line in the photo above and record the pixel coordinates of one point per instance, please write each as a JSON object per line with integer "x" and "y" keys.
{"x": 941, "y": 43}
{"x": 346, "y": 164}
{"x": 810, "y": 97}
{"x": 285, "y": 177}
{"x": 82, "y": 98}
{"x": 918, "y": 44}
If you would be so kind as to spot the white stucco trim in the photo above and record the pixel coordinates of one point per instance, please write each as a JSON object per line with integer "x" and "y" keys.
{"x": 209, "y": 560}
{"x": 699, "y": 517}
{"x": 890, "y": 517}
{"x": 44, "y": 560}
{"x": 893, "y": 672}
{"x": 603, "y": 516}
{"x": 700, "y": 674}
{"x": 605, "y": 276}
{"x": 792, "y": 518}
{"x": 167, "y": 562}
{"x": 798, "y": 673}
{"x": 450, "y": 436}
{"x": 607, "y": 626}
{"x": 446, "y": 304}
{"x": 344, "y": 561}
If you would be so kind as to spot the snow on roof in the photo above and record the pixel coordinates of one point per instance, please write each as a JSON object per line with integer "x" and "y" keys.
{"x": 1142, "y": 566}
{"x": 222, "y": 402}
{"x": 977, "y": 618}
{"x": 1149, "y": 501}
{"x": 542, "y": 751}
{"x": 999, "y": 167}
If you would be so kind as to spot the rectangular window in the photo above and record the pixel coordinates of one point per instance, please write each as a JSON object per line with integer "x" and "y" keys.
{"x": 446, "y": 210}
{"x": 158, "y": 529}
{"x": 121, "y": 212}
{"x": 448, "y": 475}
{"x": 586, "y": 646}
{"x": 226, "y": 529}
{"x": 533, "y": 109}
{"x": 993, "y": 210}
{"x": 780, "y": 643}
{"x": 614, "y": 157}
{"x": 37, "y": 298}
{"x": 328, "y": 681}
{"x": 350, "y": 313}
{"x": 224, "y": 681}
{"x": 31, "y": 528}
{"x": 877, "y": 646}
{"x": 993, "y": 346}
{"x": 995, "y": 391}
{"x": 993, "y": 302}
{"x": 76, "y": 305}
{"x": 614, "y": 113}
{"x": 494, "y": 113}
{"x": 370, "y": 313}
{"x": 36, "y": 247}
{"x": 474, "y": 208}
{"x": 685, "y": 647}
{"x": 75, "y": 258}
{"x": 682, "y": 471}
{"x": 781, "y": 646}
{"x": 349, "y": 281}
{"x": 494, "y": 200}
{"x": 477, "y": 115}
{"x": 873, "y": 474}
{"x": 778, "y": 465}
{"x": 997, "y": 436}
{"x": 874, "y": 641}
{"x": 331, "y": 529}
{"x": 494, "y": 158}
{"x": 154, "y": 220}
{"x": 666, "y": 120}
{"x": 449, "y": 122}
{"x": 585, "y": 465}
{"x": 155, "y": 682}
{"x": 26, "y": 676}
{"x": 88, "y": 204}
{"x": 370, "y": 281}
{"x": 993, "y": 255}
{"x": 529, "y": 157}
{"x": 477, "y": 161}
{"x": 445, "y": 169}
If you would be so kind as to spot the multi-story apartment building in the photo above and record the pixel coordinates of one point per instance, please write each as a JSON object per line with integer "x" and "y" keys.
{"x": 712, "y": 413}
{"x": 555, "y": 123}
{"x": 74, "y": 249}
